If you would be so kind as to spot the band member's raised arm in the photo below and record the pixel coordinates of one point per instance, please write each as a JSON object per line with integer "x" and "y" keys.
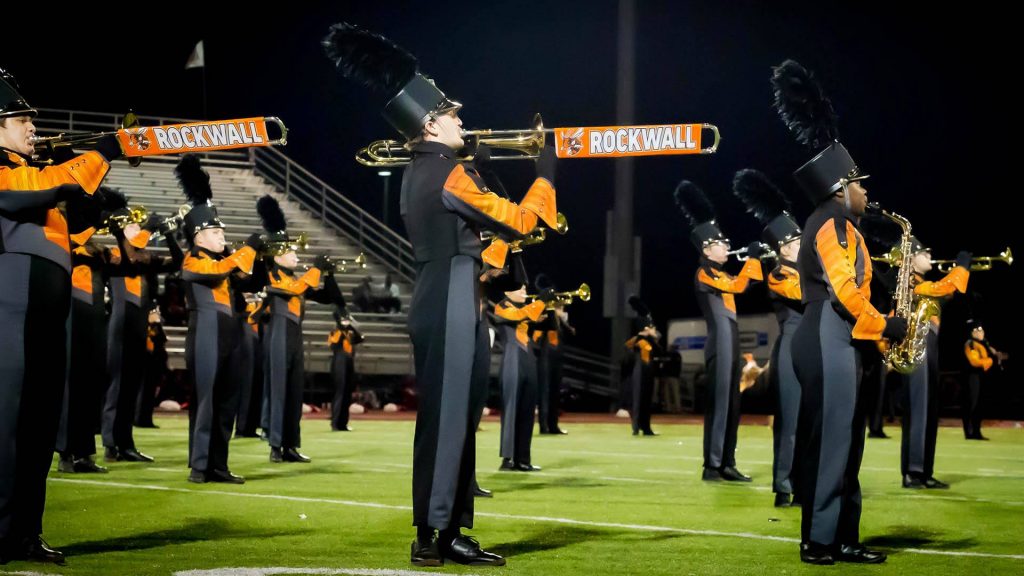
{"x": 208, "y": 270}
{"x": 734, "y": 285}
{"x": 955, "y": 281}
{"x": 785, "y": 284}
{"x": 978, "y": 356}
{"x": 465, "y": 196}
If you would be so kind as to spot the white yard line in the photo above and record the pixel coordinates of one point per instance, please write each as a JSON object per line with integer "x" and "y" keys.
{"x": 517, "y": 517}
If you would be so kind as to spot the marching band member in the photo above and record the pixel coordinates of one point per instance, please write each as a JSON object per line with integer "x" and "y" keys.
{"x": 980, "y": 356}
{"x": 284, "y": 371}
{"x": 644, "y": 345}
{"x": 35, "y": 267}
{"x": 782, "y": 234}
{"x": 835, "y": 276}
{"x": 445, "y": 207}
{"x": 342, "y": 341}
{"x": 548, "y": 338}
{"x": 131, "y": 300}
{"x": 921, "y": 387}
{"x": 214, "y": 332}
{"x": 716, "y": 292}
{"x": 514, "y": 320}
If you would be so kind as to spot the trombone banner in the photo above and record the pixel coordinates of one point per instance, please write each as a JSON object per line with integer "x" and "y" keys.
{"x": 624, "y": 141}
{"x": 198, "y": 136}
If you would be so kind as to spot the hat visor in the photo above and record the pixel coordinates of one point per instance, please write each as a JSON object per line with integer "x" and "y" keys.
{"x": 447, "y": 105}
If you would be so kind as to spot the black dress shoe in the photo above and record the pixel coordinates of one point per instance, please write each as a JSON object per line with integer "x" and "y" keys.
{"x": 636, "y": 432}
{"x": 560, "y": 431}
{"x": 110, "y": 454}
{"x": 650, "y": 432}
{"x": 276, "y": 455}
{"x": 935, "y": 484}
{"x": 197, "y": 477}
{"x": 293, "y": 455}
{"x": 32, "y": 550}
{"x": 858, "y": 554}
{"x": 66, "y": 464}
{"x": 711, "y": 475}
{"x": 425, "y": 553}
{"x": 342, "y": 429}
{"x": 224, "y": 476}
{"x": 466, "y": 550}
{"x": 87, "y": 466}
{"x": 783, "y": 500}
{"x": 246, "y": 435}
{"x": 133, "y": 455}
{"x": 733, "y": 475}
{"x": 507, "y": 464}
{"x": 912, "y": 481}
{"x": 525, "y": 467}
{"x": 482, "y": 492}
{"x": 877, "y": 434}
{"x": 264, "y": 436}
{"x": 816, "y": 554}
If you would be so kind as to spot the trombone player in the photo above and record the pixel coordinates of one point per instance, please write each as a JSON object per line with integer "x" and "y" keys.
{"x": 445, "y": 208}
{"x": 35, "y": 301}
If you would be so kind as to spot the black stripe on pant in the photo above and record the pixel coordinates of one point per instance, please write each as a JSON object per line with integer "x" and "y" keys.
{"x": 519, "y": 399}
{"x": 211, "y": 340}
{"x": 87, "y": 380}
{"x": 921, "y": 413}
{"x": 830, "y": 432}
{"x": 722, "y": 410}
{"x": 344, "y": 378}
{"x": 787, "y": 389}
{"x": 35, "y": 303}
{"x": 285, "y": 376}
{"x": 126, "y": 355}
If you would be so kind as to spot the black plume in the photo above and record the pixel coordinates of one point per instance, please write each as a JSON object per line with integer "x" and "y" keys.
{"x": 113, "y": 200}
{"x": 880, "y": 232}
{"x": 368, "y": 58}
{"x": 271, "y": 215}
{"x": 542, "y": 282}
{"x": 694, "y": 205}
{"x": 639, "y": 306}
{"x": 762, "y": 198}
{"x": 803, "y": 106}
{"x": 193, "y": 179}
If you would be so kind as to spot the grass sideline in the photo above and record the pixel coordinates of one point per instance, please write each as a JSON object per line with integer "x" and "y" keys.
{"x": 606, "y": 502}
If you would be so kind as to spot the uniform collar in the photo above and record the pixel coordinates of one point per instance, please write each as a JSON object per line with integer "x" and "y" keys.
{"x": 434, "y": 148}
{"x": 12, "y": 157}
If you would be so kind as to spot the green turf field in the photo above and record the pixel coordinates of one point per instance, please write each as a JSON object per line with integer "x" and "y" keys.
{"x": 605, "y": 503}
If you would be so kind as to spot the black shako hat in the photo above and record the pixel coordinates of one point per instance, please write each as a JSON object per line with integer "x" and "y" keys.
{"x": 768, "y": 205}
{"x": 699, "y": 213}
{"x": 195, "y": 182}
{"x": 11, "y": 102}
{"x": 809, "y": 115}
{"x": 388, "y": 69}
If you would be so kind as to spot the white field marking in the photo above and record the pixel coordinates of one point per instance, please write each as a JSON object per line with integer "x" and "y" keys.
{"x": 302, "y": 571}
{"x": 516, "y": 517}
{"x": 26, "y": 574}
{"x": 169, "y": 470}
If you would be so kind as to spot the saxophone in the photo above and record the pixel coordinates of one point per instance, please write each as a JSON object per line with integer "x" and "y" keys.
{"x": 906, "y": 355}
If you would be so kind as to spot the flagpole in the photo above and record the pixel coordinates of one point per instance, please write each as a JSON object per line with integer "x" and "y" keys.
{"x": 205, "y": 115}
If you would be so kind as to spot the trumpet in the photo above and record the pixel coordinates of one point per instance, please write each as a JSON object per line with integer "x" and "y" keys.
{"x": 893, "y": 257}
{"x": 537, "y": 236}
{"x": 170, "y": 224}
{"x": 136, "y": 215}
{"x": 978, "y": 263}
{"x": 341, "y": 266}
{"x": 578, "y": 142}
{"x": 278, "y": 248}
{"x": 741, "y": 253}
{"x": 565, "y": 298}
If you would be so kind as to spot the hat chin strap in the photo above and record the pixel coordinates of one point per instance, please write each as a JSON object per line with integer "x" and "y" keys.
{"x": 846, "y": 195}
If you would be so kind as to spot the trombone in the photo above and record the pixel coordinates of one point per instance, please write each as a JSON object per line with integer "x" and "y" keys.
{"x": 978, "y": 263}
{"x": 83, "y": 139}
{"x": 616, "y": 141}
{"x": 565, "y": 298}
{"x": 527, "y": 142}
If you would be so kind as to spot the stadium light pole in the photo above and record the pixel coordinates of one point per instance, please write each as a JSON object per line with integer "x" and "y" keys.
{"x": 386, "y": 175}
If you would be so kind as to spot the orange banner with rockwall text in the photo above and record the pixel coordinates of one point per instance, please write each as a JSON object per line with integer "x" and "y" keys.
{"x": 194, "y": 137}
{"x": 624, "y": 141}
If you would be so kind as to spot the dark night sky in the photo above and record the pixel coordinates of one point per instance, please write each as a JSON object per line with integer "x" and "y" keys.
{"x": 922, "y": 100}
